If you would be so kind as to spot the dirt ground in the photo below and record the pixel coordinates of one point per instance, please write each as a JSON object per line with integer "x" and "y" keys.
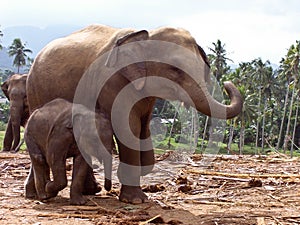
{"x": 229, "y": 190}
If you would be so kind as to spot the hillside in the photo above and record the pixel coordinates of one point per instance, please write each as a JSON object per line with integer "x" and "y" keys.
{"x": 36, "y": 38}
{"x": 5, "y": 61}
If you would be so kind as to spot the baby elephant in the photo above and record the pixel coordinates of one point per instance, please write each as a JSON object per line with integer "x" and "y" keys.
{"x": 50, "y": 138}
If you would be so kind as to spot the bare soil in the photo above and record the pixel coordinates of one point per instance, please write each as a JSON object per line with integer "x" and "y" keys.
{"x": 230, "y": 190}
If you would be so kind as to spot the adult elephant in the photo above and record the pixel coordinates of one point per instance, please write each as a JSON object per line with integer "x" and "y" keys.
{"x": 14, "y": 89}
{"x": 59, "y": 68}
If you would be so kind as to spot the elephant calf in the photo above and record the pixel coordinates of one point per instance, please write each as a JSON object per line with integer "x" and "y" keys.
{"x": 50, "y": 138}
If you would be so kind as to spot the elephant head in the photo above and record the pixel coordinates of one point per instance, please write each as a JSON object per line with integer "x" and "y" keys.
{"x": 174, "y": 55}
{"x": 14, "y": 89}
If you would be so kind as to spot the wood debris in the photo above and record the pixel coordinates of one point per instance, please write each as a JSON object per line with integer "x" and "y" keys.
{"x": 234, "y": 190}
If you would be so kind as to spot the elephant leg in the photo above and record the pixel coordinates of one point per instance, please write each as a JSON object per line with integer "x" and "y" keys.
{"x": 8, "y": 138}
{"x": 147, "y": 162}
{"x": 16, "y": 135}
{"x": 147, "y": 152}
{"x": 39, "y": 172}
{"x": 129, "y": 169}
{"x": 129, "y": 176}
{"x": 19, "y": 146}
{"x": 30, "y": 191}
{"x": 80, "y": 168}
{"x": 107, "y": 162}
{"x": 56, "y": 158}
{"x": 41, "y": 175}
{"x": 59, "y": 177}
{"x": 91, "y": 186}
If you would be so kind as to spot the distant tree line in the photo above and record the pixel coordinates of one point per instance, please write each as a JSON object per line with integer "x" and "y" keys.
{"x": 271, "y": 97}
{"x": 269, "y": 118}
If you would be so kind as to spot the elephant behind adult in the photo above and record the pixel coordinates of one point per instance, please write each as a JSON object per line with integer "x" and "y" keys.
{"x": 14, "y": 89}
{"x": 58, "y": 68}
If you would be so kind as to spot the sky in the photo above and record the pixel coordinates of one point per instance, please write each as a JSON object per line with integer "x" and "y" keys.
{"x": 248, "y": 28}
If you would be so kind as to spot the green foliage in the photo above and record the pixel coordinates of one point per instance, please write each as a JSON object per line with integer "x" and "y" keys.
{"x": 2, "y": 126}
{"x": 4, "y": 112}
{"x": 19, "y": 50}
{"x": 2, "y": 133}
{"x": 4, "y": 107}
{"x": 4, "y": 74}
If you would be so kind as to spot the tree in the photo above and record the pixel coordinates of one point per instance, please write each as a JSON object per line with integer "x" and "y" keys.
{"x": 242, "y": 77}
{"x": 219, "y": 60}
{"x": 18, "y": 50}
{"x": 263, "y": 74}
{"x": 293, "y": 61}
{"x": 219, "y": 67}
{"x": 285, "y": 76}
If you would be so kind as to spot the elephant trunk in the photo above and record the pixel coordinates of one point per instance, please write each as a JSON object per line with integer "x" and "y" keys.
{"x": 211, "y": 107}
{"x": 16, "y": 110}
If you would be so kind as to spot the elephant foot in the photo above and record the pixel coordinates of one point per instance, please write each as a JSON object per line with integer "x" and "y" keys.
{"x": 78, "y": 200}
{"x": 5, "y": 150}
{"x": 31, "y": 194}
{"x": 50, "y": 195}
{"x": 107, "y": 184}
{"x": 91, "y": 186}
{"x": 30, "y": 191}
{"x": 91, "y": 189}
{"x": 132, "y": 194}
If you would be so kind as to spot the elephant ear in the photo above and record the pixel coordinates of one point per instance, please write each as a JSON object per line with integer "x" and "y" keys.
{"x": 134, "y": 71}
{"x": 4, "y": 88}
{"x": 204, "y": 56}
{"x": 24, "y": 77}
{"x": 205, "y": 59}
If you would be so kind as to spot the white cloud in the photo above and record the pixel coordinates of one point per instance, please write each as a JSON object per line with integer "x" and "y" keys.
{"x": 247, "y": 35}
{"x": 249, "y": 28}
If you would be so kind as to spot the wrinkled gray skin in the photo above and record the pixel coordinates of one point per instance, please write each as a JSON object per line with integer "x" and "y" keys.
{"x": 14, "y": 89}
{"x": 49, "y": 136}
{"x": 60, "y": 65}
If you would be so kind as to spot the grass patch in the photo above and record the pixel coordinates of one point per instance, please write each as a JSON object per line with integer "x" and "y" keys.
{"x": 162, "y": 146}
{"x": 23, "y": 146}
{"x": 216, "y": 148}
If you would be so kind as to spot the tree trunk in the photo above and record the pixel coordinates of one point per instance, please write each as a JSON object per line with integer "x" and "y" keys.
{"x": 295, "y": 125}
{"x": 242, "y": 135}
{"x": 171, "y": 130}
{"x": 283, "y": 116}
{"x": 286, "y": 139}
{"x": 194, "y": 130}
{"x": 230, "y": 138}
{"x": 258, "y": 119}
{"x": 263, "y": 127}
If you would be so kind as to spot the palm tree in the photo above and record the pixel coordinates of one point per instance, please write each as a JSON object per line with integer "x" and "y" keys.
{"x": 293, "y": 60}
{"x": 242, "y": 77}
{"x": 219, "y": 67}
{"x": 262, "y": 74}
{"x": 18, "y": 50}
{"x": 295, "y": 125}
{"x": 285, "y": 76}
{"x": 218, "y": 60}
